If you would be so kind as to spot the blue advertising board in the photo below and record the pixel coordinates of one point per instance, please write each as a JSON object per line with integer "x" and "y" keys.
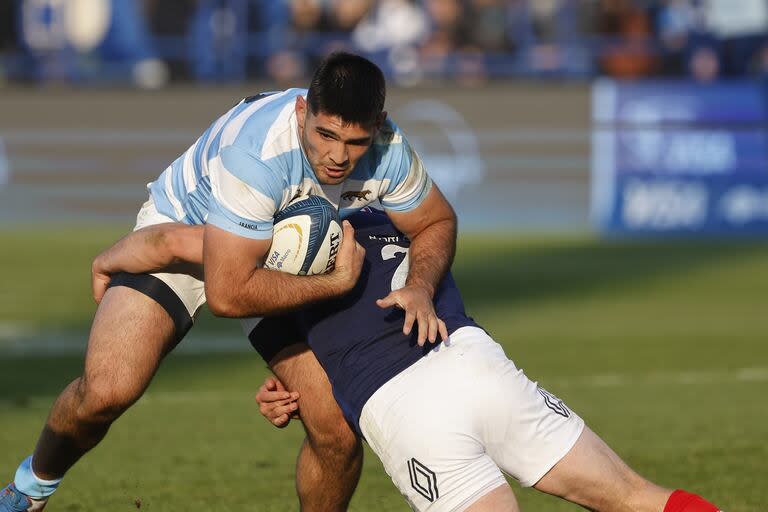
{"x": 679, "y": 158}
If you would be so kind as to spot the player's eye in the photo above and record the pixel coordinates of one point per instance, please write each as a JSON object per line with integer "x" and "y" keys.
{"x": 326, "y": 136}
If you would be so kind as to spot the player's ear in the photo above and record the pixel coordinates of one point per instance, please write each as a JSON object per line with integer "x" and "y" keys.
{"x": 301, "y": 111}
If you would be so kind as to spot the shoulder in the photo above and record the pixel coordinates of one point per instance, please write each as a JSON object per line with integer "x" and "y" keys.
{"x": 389, "y": 136}
{"x": 262, "y": 124}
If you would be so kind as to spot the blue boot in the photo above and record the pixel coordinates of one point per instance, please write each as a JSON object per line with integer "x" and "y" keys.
{"x": 11, "y": 500}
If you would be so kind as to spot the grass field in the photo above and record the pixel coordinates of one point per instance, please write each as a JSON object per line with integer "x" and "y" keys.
{"x": 660, "y": 347}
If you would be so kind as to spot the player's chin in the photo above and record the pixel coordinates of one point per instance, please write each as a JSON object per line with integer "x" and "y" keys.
{"x": 332, "y": 179}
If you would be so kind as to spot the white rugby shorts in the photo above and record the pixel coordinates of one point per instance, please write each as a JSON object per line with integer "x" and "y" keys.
{"x": 447, "y": 426}
{"x": 190, "y": 290}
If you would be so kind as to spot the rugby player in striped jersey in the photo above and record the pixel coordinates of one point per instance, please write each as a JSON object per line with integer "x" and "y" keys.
{"x": 332, "y": 140}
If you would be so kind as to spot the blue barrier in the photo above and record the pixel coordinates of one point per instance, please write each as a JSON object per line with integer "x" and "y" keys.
{"x": 680, "y": 158}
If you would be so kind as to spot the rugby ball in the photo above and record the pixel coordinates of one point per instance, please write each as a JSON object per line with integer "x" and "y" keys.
{"x": 306, "y": 237}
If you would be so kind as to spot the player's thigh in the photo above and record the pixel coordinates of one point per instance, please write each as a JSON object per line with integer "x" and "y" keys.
{"x": 130, "y": 334}
{"x": 501, "y": 498}
{"x": 299, "y": 370}
{"x": 423, "y": 426}
{"x": 594, "y": 476}
{"x": 139, "y": 320}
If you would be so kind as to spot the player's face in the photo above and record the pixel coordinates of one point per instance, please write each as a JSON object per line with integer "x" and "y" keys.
{"x": 332, "y": 146}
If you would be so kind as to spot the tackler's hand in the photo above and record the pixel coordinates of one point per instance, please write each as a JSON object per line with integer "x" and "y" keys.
{"x": 278, "y": 405}
{"x": 416, "y": 301}
{"x": 100, "y": 279}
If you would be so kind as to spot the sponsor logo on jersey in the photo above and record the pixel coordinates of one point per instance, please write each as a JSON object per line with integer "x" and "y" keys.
{"x": 252, "y": 227}
{"x": 423, "y": 480}
{"x": 354, "y": 195}
{"x": 388, "y": 239}
{"x": 554, "y": 403}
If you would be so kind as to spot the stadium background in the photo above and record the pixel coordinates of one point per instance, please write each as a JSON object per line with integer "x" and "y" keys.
{"x": 658, "y": 343}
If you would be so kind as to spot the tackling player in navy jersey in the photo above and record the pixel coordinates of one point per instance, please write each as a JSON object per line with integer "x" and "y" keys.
{"x": 447, "y": 420}
{"x": 332, "y": 140}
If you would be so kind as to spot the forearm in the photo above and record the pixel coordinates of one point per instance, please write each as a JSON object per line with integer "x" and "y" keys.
{"x": 431, "y": 254}
{"x": 237, "y": 286}
{"x": 152, "y": 248}
{"x": 269, "y": 292}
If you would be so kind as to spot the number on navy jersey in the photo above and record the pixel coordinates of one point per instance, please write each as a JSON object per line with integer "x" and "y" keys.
{"x": 401, "y": 273}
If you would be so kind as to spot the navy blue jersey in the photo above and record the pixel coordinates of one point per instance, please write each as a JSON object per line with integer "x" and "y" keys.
{"x": 360, "y": 345}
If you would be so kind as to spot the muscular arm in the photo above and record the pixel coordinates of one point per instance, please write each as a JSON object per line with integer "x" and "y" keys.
{"x": 147, "y": 250}
{"x": 431, "y": 227}
{"x": 237, "y": 286}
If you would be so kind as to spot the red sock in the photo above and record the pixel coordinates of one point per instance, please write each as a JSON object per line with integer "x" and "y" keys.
{"x": 681, "y": 501}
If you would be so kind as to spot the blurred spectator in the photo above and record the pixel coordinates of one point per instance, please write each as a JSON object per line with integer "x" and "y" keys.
{"x": 169, "y": 18}
{"x": 628, "y": 52}
{"x": 678, "y": 23}
{"x": 218, "y": 45}
{"x": 447, "y": 32}
{"x": 739, "y": 29}
{"x": 8, "y": 19}
{"x": 314, "y": 28}
{"x": 488, "y": 30}
{"x": 549, "y": 35}
{"x": 170, "y": 22}
{"x": 81, "y": 39}
{"x": 467, "y": 40}
{"x": 447, "y": 50}
{"x": 391, "y": 24}
{"x": 394, "y": 29}
{"x": 346, "y": 14}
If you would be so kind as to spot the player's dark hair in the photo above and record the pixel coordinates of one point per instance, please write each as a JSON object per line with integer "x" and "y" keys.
{"x": 348, "y": 86}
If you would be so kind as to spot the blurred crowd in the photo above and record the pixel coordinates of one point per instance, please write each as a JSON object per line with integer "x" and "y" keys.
{"x": 413, "y": 40}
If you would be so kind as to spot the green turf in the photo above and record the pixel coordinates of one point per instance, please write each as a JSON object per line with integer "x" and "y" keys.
{"x": 660, "y": 346}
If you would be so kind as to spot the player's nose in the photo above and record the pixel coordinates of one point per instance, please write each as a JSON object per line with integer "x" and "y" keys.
{"x": 339, "y": 155}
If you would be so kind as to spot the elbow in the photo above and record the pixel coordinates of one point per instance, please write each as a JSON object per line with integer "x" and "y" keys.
{"x": 220, "y": 304}
{"x": 449, "y": 215}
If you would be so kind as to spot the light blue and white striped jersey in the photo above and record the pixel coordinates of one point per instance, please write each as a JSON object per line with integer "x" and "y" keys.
{"x": 249, "y": 164}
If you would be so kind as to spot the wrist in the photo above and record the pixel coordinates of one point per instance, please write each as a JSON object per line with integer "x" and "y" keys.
{"x": 98, "y": 266}
{"x": 423, "y": 285}
{"x": 341, "y": 281}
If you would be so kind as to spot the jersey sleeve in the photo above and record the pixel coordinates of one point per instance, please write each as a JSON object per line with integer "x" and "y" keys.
{"x": 245, "y": 193}
{"x": 409, "y": 182}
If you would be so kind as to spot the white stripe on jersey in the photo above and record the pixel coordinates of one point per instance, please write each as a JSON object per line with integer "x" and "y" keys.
{"x": 414, "y": 185}
{"x": 234, "y": 127}
{"x": 188, "y": 169}
{"x": 280, "y": 138}
{"x": 172, "y": 196}
{"x": 237, "y": 197}
{"x": 214, "y": 132}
